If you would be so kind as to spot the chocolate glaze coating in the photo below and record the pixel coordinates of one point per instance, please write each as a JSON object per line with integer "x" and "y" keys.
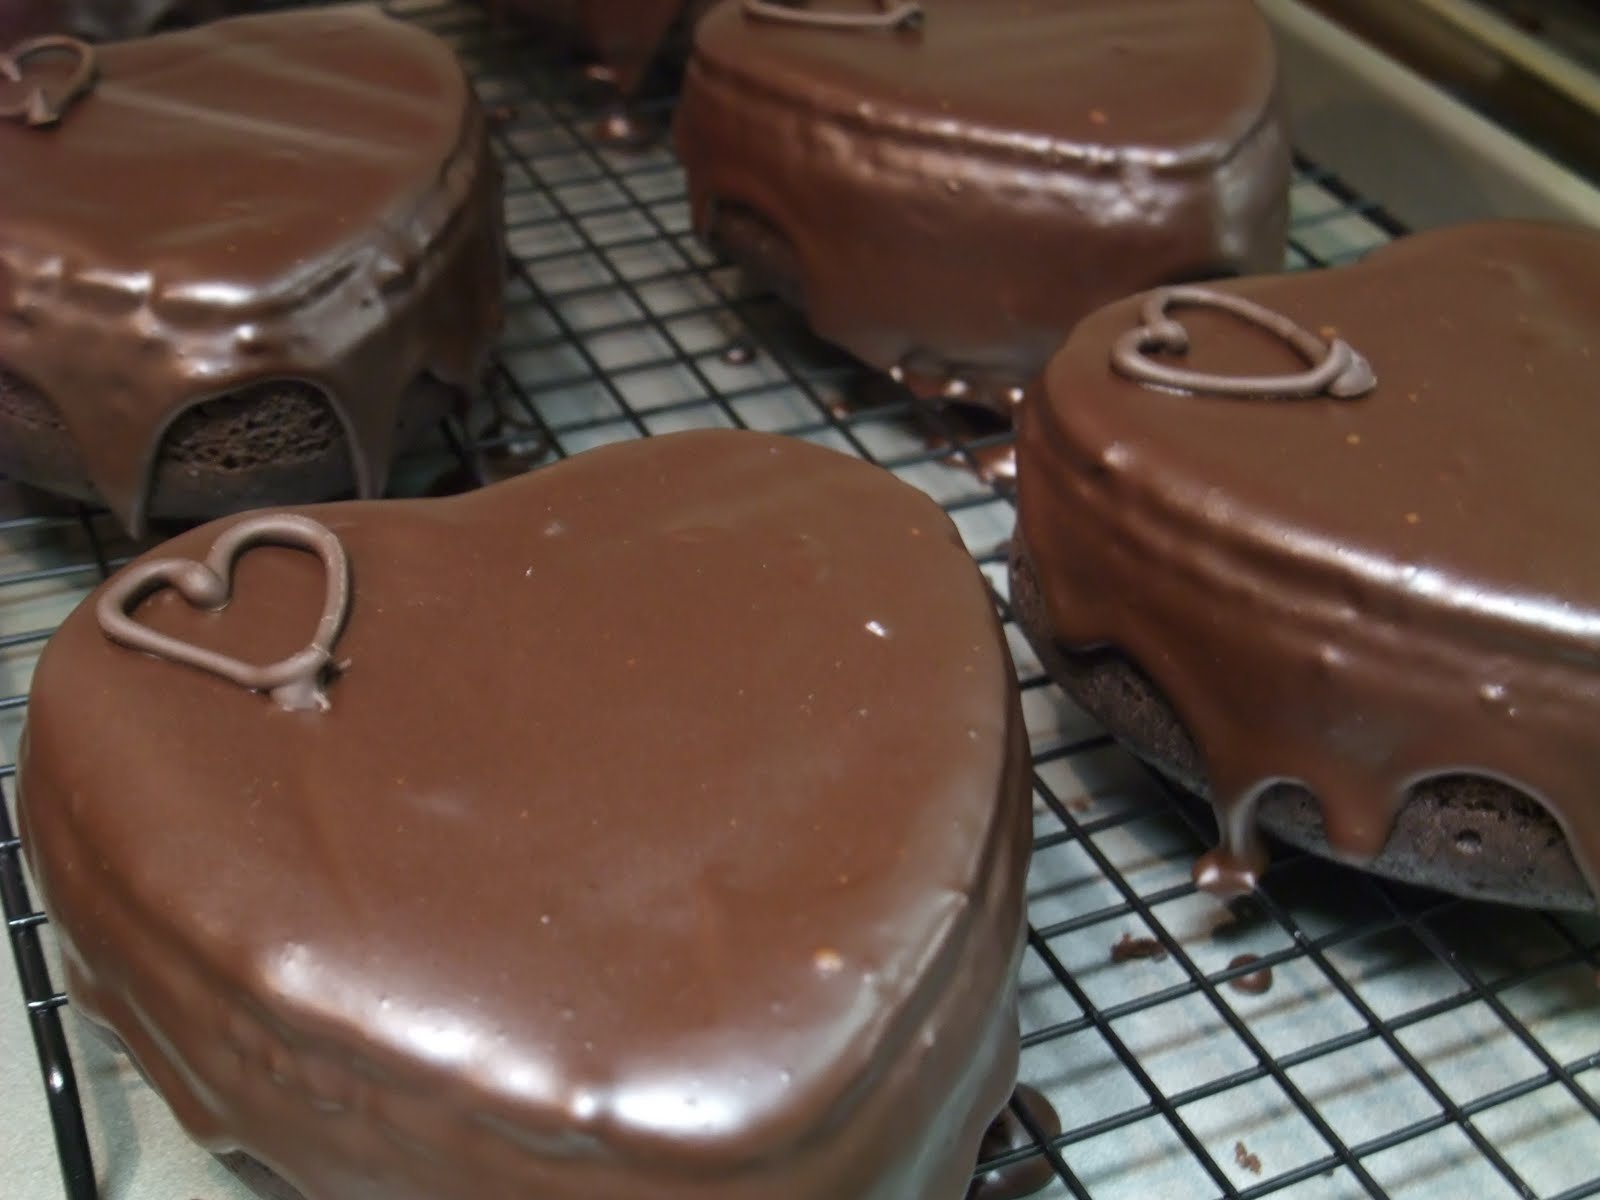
{"x": 1465, "y": 834}
{"x": 216, "y": 261}
{"x": 1353, "y": 595}
{"x": 621, "y": 865}
{"x": 1007, "y": 1135}
{"x": 955, "y": 198}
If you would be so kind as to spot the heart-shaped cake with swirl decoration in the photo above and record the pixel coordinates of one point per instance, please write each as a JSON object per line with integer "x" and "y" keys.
{"x": 1320, "y": 547}
{"x": 662, "y": 834}
{"x": 241, "y": 264}
{"x": 943, "y": 188}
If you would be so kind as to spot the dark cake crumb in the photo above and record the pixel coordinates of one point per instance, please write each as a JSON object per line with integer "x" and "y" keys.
{"x": 1242, "y": 1156}
{"x": 271, "y": 423}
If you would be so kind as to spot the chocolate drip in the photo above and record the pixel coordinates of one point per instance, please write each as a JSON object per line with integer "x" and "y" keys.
{"x": 1008, "y": 1135}
{"x": 130, "y": 305}
{"x": 1352, "y": 597}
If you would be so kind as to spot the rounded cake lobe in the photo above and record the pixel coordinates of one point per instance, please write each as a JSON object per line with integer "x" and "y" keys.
{"x": 1353, "y": 595}
{"x": 646, "y": 881}
{"x": 212, "y": 266}
{"x": 949, "y": 200}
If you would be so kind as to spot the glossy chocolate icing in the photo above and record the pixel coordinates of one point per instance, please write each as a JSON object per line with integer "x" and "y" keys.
{"x": 952, "y": 198}
{"x": 1009, "y": 1135}
{"x": 1351, "y": 594}
{"x": 303, "y": 196}
{"x": 623, "y": 863}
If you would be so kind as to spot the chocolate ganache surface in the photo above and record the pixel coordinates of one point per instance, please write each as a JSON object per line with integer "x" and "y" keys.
{"x": 954, "y": 194}
{"x": 664, "y": 837}
{"x": 1352, "y": 594}
{"x": 304, "y": 196}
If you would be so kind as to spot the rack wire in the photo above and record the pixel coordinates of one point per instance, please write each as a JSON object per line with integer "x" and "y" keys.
{"x": 1410, "y": 1044}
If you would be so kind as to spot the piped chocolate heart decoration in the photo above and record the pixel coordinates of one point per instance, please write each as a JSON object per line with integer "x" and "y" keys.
{"x": 40, "y": 106}
{"x": 908, "y": 15}
{"x": 295, "y": 682}
{"x": 1334, "y": 368}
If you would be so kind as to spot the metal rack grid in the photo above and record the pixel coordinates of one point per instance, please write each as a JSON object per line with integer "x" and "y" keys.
{"x": 1411, "y": 1045}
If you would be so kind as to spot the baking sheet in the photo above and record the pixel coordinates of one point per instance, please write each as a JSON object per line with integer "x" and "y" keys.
{"x": 1410, "y": 1045}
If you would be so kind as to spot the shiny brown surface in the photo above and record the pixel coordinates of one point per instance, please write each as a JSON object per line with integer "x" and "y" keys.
{"x": 955, "y": 198}
{"x": 1007, "y": 1135}
{"x": 304, "y": 195}
{"x": 665, "y": 838}
{"x": 1351, "y": 594}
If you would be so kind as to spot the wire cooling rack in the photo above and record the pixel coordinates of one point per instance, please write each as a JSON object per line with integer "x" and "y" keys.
{"x": 1409, "y": 1045}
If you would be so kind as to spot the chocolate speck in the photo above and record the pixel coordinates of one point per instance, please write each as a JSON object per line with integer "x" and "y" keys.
{"x": 1129, "y": 948}
{"x": 1242, "y": 1156}
{"x": 1252, "y": 983}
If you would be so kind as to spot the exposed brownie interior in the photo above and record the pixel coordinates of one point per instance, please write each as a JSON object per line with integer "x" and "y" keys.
{"x": 274, "y": 442}
{"x": 1464, "y": 834}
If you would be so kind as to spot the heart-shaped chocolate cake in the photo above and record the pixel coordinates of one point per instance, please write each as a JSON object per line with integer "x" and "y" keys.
{"x": 944, "y": 187}
{"x": 241, "y": 264}
{"x": 1320, "y": 546}
{"x": 663, "y": 836}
